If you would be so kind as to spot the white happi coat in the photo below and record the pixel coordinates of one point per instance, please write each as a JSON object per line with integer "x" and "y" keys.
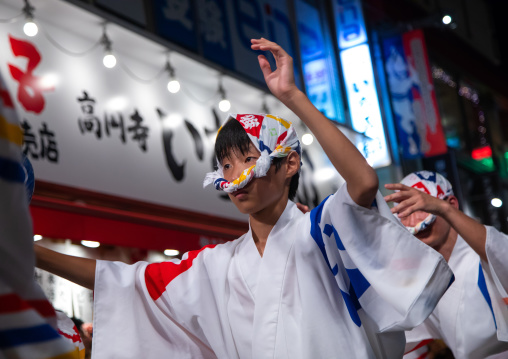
{"x": 341, "y": 281}
{"x": 472, "y": 316}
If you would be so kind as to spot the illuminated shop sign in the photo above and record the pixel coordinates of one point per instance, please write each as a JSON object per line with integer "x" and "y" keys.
{"x": 359, "y": 81}
{"x": 318, "y": 68}
{"x": 364, "y": 104}
{"x": 350, "y": 23}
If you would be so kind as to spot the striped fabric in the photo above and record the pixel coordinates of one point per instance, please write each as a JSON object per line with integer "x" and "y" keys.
{"x": 27, "y": 319}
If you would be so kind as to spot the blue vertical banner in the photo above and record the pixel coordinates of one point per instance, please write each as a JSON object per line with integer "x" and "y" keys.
{"x": 224, "y": 29}
{"x": 359, "y": 81}
{"x": 259, "y": 18}
{"x": 350, "y": 24}
{"x": 133, "y": 10}
{"x": 316, "y": 63}
{"x": 174, "y": 20}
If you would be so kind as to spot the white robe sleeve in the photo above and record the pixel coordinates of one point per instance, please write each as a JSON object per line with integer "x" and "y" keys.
{"x": 379, "y": 266}
{"x": 496, "y": 278}
{"x": 128, "y": 323}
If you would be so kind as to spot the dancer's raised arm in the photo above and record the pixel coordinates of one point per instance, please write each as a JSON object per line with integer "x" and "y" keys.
{"x": 362, "y": 180}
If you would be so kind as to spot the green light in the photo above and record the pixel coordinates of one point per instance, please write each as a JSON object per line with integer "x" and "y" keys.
{"x": 488, "y": 162}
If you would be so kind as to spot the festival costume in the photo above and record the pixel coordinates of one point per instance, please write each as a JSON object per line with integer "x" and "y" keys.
{"x": 472, "y": 316}
{"x": 28, "y": 323}
{"x": 340, "y": 281}
{"x": 431, "y": 183}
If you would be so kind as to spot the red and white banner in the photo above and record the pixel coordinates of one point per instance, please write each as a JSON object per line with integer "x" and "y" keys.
{"x": 413, "y": 97}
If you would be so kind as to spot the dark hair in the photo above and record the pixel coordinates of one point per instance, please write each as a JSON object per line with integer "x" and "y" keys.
{"x": 232, "y": 136}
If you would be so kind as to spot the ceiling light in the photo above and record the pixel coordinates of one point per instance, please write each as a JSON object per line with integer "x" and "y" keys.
{"x": 496, "y": 202}
{"x": 30, "y": 28}
{"x": 173, "y": 84}
{"x": 224, "y": 104}
{"x": 109, "y": 59}
{"x": 171, "y": 252}
{"x": 447, "y": 19}
{"x": 90, "y": 244}
{"x": 307, "y": 139}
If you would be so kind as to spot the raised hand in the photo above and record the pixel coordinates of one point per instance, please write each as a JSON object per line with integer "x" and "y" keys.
{"x": 281, "y": 82}
{"x": 345, "y": 157}
{"x": 411, "y": 200}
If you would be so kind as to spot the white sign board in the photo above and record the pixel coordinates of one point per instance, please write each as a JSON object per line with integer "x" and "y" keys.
{"x": 99, "y": 129}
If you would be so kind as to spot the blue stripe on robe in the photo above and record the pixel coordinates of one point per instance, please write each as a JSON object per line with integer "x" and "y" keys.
{"x": 11, "y": 171}
{"x": 483, "y": 288}
{"x": 358, "y": 283}
{"x": 452, "y": 279}
{"x": 15, "y": 337}
{"x": 315, "y": 231}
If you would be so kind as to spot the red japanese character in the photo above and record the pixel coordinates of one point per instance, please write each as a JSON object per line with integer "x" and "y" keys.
{"x": 30, "y": 89}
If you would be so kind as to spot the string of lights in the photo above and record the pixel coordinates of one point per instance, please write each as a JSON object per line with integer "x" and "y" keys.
{"x": 12, "y": 19}
{"x": 191, "y": 95}
{"x": 140, "y": 79}
{"x": 109, "y": 60}
{"x": 69, "y": 52}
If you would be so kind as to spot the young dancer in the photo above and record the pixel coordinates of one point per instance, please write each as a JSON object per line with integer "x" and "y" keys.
{"x": 344, "y": 280}
{"x": 29, "y": 326}
{"x": 472, "y": 316}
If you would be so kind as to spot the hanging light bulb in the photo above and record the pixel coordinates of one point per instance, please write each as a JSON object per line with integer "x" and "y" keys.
{"x": 307, "y": 139}
{"x": 496, "y": 202}
{"x": 173, "y": 84}
{"x": 171, "y": 252}
{"x": 90, "y": 244}
{"x": 447, "y": 19}
{"x": 30, "y": 28}
{"x": 109, "y": 59}
{"x": 224, "y": 104}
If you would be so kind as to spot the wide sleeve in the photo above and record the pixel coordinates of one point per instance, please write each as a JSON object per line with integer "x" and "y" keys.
{"x": 130, "y": 323}
{"x": 496, "y": 278}
{"x": 379, "y": 266}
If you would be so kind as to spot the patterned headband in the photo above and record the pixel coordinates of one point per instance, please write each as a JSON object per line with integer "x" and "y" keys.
{"x": 431, "y": 183}
{"x": 272, "y": 136}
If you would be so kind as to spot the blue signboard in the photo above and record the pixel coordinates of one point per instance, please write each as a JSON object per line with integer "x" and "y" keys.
{"x": 317, "y": 70}
{"x": 359, "y": 81}
{"x": 133, "y": 10}
{"x": 174, "y": 20}
{"x": 350, "y": 23}
{"x": 225, "y": 28}
{"x": 215, "y": 32}
{"x": 254, "y": 19}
